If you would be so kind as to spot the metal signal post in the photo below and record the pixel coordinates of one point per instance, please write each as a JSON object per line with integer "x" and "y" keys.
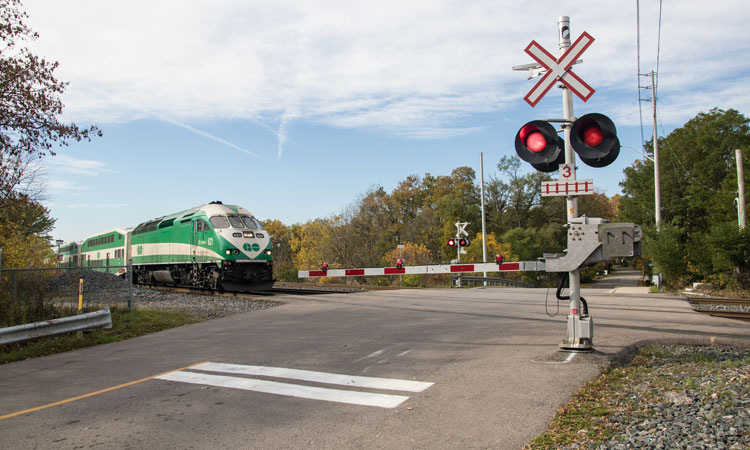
{"x": 573, "y": 340}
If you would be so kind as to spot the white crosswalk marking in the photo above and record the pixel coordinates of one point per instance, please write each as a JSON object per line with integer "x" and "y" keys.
{"x": 300, "y": 391}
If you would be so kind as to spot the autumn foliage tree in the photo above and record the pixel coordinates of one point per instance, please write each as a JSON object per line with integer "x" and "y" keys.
{"x": 30, "y": 127}
{"x": 30, "y": 103}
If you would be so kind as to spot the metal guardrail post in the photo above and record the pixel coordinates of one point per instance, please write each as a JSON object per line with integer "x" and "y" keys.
{"x": 130, "y": 285}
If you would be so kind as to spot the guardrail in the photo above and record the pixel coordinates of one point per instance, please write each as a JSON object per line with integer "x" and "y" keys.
{"x": 20, "y": 333}
{"x": 490, "y": 281}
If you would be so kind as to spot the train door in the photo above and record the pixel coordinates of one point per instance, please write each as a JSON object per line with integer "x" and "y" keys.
{"x": 199, "y": 240}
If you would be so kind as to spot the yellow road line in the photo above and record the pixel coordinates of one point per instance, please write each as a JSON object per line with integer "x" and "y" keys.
{"x": 91, "y": 394}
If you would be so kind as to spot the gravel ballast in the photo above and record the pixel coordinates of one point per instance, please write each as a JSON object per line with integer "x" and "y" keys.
{"x": 669, "y": 397}
{"x": 108, "y": 289}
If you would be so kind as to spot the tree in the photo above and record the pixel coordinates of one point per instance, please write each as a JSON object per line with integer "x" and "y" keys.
{"x": 30, "y": 103}
{"x": 524, "y": 191}
{"x": 281, "y": 235}
{"x": 698, "y": 187}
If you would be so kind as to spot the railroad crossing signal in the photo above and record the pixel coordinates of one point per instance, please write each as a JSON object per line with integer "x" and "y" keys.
{"x": 537, "y": 143}
{"x": 593, "y": 136}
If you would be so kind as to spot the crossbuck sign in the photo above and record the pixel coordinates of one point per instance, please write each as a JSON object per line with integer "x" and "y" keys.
{"x": 559, "y": 69}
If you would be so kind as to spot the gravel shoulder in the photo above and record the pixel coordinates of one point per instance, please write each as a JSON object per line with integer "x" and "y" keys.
{"x": 668, "y": 397}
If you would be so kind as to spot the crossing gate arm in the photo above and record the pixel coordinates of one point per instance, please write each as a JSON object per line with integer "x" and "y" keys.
{"x": 512, "y": 266}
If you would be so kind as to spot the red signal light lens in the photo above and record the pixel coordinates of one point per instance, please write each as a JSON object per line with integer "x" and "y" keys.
{"x": 536, "y": 142}
{"x": 532, "y": 138}
{"x": 593, "y": 136}
{"x": 526, "y": 130}
{"x": 451, "y": 242}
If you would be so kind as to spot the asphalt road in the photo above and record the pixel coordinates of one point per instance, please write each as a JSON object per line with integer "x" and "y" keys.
{"x": 491, "y": 354}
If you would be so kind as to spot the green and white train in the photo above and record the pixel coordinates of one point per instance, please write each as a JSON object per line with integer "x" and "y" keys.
{"x": 213, "y": 246}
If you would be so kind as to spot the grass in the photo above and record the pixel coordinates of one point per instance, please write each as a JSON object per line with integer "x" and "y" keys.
{"x": 125, "y": 325}
{"x": 620, "y": 392}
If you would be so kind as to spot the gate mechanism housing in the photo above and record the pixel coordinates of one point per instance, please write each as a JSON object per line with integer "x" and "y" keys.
{"x": 592, "y": 240}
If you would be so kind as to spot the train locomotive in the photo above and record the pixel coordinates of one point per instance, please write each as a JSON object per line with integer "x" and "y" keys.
{"x": 212, "y": 246}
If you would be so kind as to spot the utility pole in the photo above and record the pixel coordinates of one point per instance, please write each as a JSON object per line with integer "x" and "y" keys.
{"x": 484, "y": 224}
{"x": 657, "y": 183}
{"x": 740, "y": 189}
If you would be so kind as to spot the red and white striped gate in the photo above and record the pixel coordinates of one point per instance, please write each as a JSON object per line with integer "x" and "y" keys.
{"x": 513, "y": 266}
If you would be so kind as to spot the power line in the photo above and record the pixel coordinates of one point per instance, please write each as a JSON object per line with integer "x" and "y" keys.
{"x": 638, "y": 58}
{"x": 658, "y": 50}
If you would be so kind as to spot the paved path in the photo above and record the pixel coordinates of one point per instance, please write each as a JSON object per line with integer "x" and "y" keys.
{"x": 431, "y": 368}
{"x": 622, "y": 280}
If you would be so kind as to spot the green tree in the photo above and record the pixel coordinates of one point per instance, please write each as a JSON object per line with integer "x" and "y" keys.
{"x": 698, "y": 187}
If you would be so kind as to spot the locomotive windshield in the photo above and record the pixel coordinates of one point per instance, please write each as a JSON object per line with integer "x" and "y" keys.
{"x": 236, "y": 222}
{"x": 219, "y": 222}
{"x": 252, "y": 223}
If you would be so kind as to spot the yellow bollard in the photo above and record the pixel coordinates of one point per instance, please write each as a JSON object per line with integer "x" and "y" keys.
{"x": 80, "y": 295}
{"x": 79, "y": 333}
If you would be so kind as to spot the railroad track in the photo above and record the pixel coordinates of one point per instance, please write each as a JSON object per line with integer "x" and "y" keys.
{"x": 278, "y": 289}
{"x": 731, "y": 308}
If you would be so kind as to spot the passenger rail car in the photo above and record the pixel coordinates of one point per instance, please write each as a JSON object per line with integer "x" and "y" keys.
{"x": 212, "y": 246}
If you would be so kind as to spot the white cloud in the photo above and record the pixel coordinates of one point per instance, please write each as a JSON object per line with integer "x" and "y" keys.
{"x": 410, "y": 68}
{"x": 65, "y": 164}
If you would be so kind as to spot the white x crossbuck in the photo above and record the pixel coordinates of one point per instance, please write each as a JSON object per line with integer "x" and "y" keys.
{"x": 559, "y": 69}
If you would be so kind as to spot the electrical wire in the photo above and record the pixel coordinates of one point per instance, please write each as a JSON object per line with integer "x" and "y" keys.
{"x": 638, "y": 61}
{"x": 546, "y": 308}
{"x": 658, "y": 51}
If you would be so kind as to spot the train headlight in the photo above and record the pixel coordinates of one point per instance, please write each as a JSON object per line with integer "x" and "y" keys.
{"x": 248, "y": 234}
{"x": 228, "y": 252}
{"x": 268, "y": 252}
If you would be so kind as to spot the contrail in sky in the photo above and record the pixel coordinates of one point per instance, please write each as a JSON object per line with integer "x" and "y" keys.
{"x": 208, "y": 135}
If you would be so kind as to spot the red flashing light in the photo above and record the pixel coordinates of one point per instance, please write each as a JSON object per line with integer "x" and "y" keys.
{"x": 451, "y": 242}
{"x": 324, "y": 267}
{"x": 593, "y": 136}
{"x": 499, "y": 259}
{"x": 536, "y": 142}
{"x": 399, "y": 263}
{"x": 525, "y": 131}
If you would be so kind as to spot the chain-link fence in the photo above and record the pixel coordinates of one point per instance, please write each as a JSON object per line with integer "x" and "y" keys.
{"x": 36, "y": 294}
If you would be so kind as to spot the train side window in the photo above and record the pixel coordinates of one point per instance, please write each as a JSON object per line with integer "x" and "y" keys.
{"x": 201, "y": 225}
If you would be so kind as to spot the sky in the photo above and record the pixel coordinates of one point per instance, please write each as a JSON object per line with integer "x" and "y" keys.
{"x": 296, "y": 109}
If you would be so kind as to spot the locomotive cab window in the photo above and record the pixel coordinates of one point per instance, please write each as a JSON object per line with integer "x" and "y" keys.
{"x": 252, "y": 223}
{"x": 236, "y": 222}
{"x": 219, "y": 222}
